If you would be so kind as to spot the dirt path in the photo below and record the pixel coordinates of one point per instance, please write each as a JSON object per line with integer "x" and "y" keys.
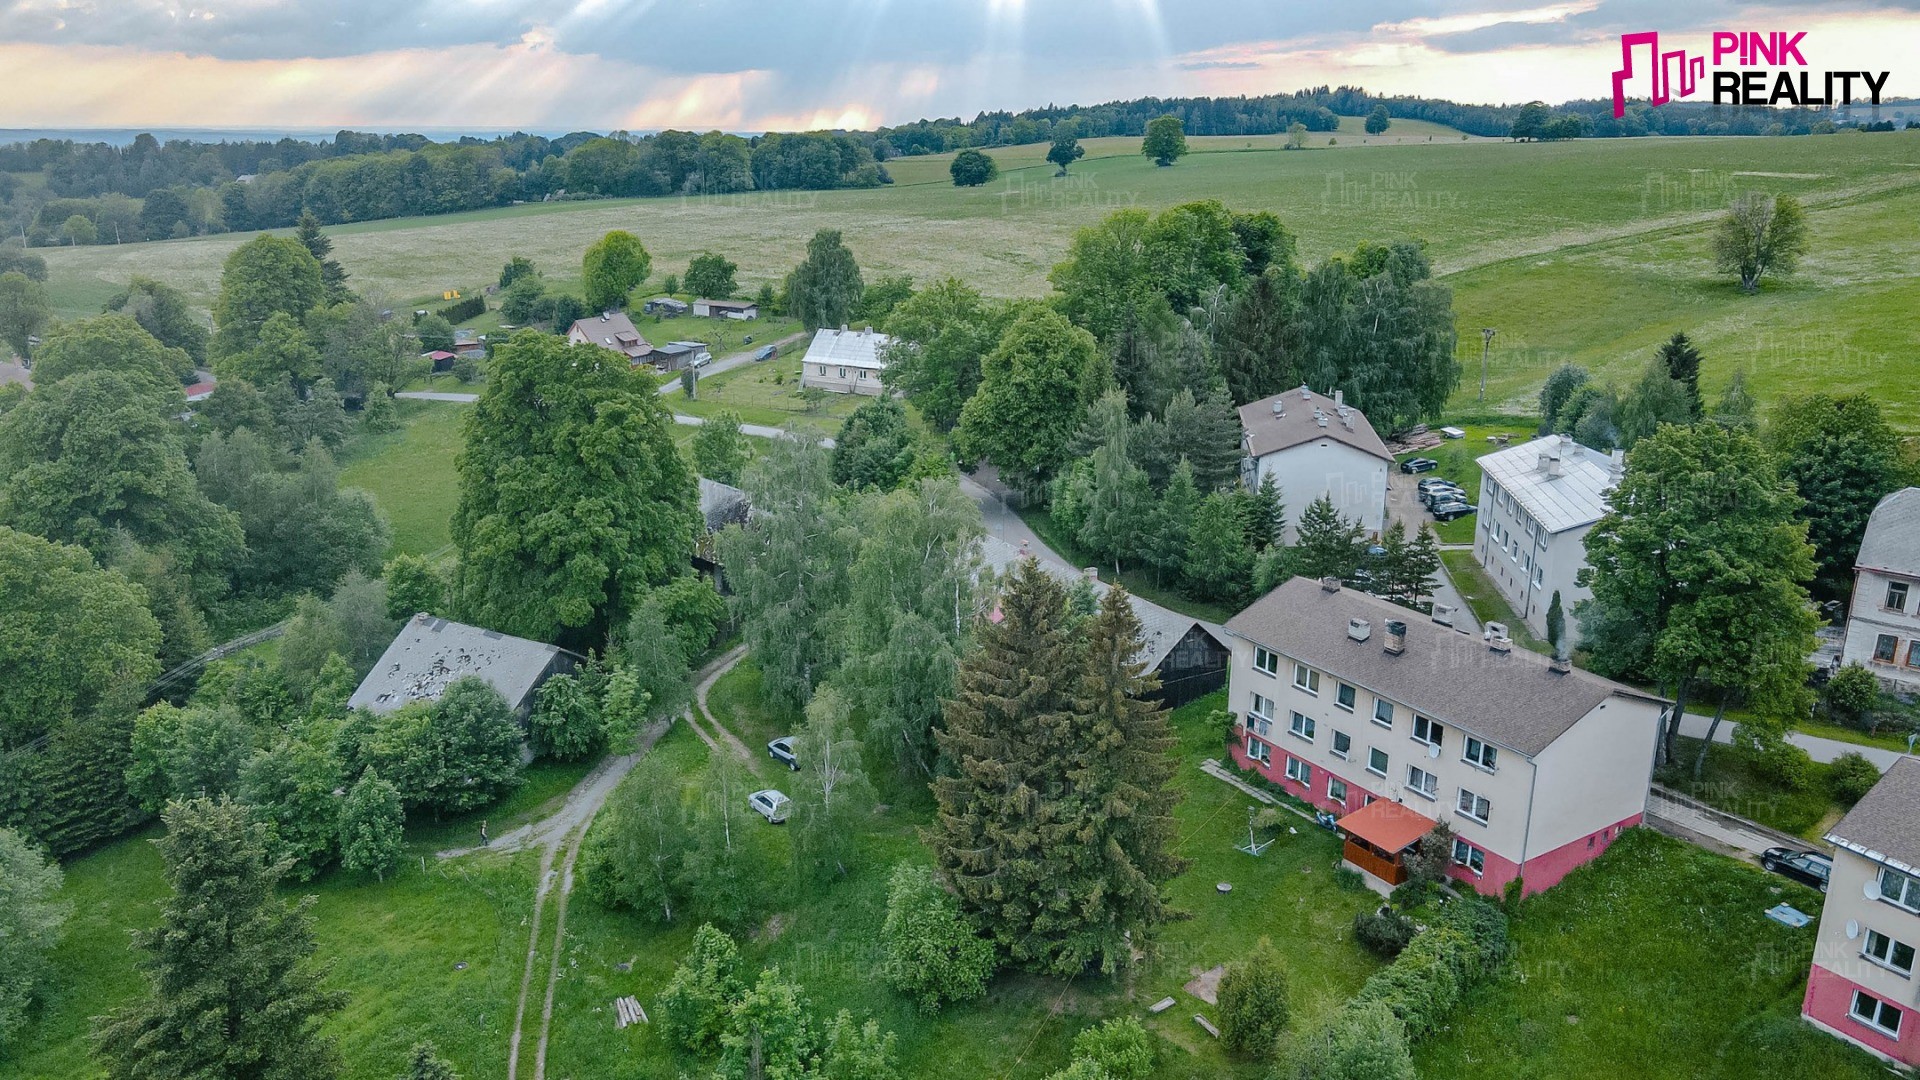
{"x": 565, "y": 829}
{"x": 720, "y": 732}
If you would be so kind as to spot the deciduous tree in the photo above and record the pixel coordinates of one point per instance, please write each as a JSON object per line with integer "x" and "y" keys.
{"x": 710, "y": 276}
{"x": 939, "y": 336}
{"x": 612, "y": 266}
{"x": 971, "y": 168}
{"x": 931, "y": 954}
{"x": 110, "y": 343}
{"x": 24, "y": 311}
{"x": 31, "y": 914}
{"x": 633, "y": 857}
{"x": 825, "y": 289}
{"x": 266, "y": 276}
{"x": 1034, "y": 388}
{"x": 371, "y": 827}
{"x": 1166, "y": 140}
{"x": 1842, "y": 456}
{"x": 1760, "y": 235}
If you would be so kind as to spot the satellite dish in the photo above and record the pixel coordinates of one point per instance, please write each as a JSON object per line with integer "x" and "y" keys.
{"x": 1872, "y": 888}
{"x": 1853, "y": 929}
{"x": 1433, "y": 751}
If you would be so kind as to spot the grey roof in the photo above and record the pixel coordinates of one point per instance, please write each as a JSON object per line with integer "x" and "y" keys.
{"x": 1885, "y": 826}
{"x": 848, "y": 348}
{"x": 613, "y": 330}
{"x": 430, "y": 653}
{"x": 1562, "y": 497}
{"x": 1160, "y": 628}
{"x": 1892, "y": 540}
{"x": 1268, "y": 432}
{"x": 1513, "y": 699}
{"x": 721, "y": 504}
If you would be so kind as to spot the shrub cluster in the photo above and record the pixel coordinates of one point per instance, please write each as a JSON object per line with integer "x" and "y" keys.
{"x": 1467, "y": 943}
{"x": 461, "y": 310}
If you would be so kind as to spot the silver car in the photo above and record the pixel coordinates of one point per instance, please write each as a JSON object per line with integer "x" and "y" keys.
{"x": 770, "y": 804}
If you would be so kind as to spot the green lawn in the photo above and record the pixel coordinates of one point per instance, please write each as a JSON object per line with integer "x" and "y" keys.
{"x": 1656, "y": 962}
{"x": 1731, "y": 785}
{"x": 410, "y": 473}
{"x": 1484, "y": 598}
{"x": 766, "y": 393}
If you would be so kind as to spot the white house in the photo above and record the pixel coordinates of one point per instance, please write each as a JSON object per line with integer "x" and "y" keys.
{"x": 728, "y": 309}
{"x": 1392, "y": 723}
{"x": 1861, "y": 986}
{"x": 1538, "y": 501}
{"x": 1312, "y": 446}
{"x": 846, "y": 361}
{"x": 1883, "y": 624}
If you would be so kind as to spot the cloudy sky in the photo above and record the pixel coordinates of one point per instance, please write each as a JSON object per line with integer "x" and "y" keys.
{"x": 750, "y": 65}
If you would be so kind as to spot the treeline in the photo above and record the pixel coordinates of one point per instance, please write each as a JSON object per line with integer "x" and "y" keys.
{"x": 103, "y": 194}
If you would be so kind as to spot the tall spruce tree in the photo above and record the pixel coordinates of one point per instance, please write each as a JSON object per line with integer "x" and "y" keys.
{"x": 230, "y": 993}
{"x": 1326, "y": 544}
{"x": 1683, "y": 366}
{"x": 332, "y": 277}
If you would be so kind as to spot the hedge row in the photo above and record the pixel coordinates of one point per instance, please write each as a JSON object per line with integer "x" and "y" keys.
{"x": 461, "y": 310}
{"x": 1466, "y": 944}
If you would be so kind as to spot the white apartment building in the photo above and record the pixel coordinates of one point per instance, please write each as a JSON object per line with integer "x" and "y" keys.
{"x": 1883, "y": 623}
{"x": 846, "y": 361}
{"x": 1538, "y": 501}
{"x": 1313, "y": 445}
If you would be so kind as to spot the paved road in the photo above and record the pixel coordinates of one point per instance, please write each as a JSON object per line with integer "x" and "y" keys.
{"x": 1694, "y": 821}
{"x": 1694, "y": 726}
{"x": 434, "y": 395}
{"x": 759, "y": 431}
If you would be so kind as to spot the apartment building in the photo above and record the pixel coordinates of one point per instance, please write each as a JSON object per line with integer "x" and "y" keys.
{"x": 1538, "y": 501}
{"x": 1883, "y": 622}
{"x": 1314, "y": 445}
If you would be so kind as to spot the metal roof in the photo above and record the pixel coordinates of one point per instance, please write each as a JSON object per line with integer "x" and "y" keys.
{"x": 1306, "y": 417}
{"x": 848, "y": 348}
{"x": 430, "y": 653}
{"x": 1513, "y": 698}
{"x": 1161, "y": 629}
{"x": 1892, "y": 540}
{"x": 1560, "y": 496}
{"x": 1885, "y": 826}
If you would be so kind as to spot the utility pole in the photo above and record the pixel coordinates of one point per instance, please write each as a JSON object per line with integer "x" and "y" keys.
{"x": 1486, "y": 344}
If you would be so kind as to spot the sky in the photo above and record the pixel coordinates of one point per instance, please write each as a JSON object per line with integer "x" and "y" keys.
{"x": 802, "y": 64}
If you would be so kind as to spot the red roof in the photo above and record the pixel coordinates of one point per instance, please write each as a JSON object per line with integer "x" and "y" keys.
{"x": 199, "y": 390}
{"x": 440, "y": 354}
{"x": 1386, "y": 825}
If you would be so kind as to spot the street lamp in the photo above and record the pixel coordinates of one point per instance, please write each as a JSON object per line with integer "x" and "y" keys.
{"x": 1486, "y": 343}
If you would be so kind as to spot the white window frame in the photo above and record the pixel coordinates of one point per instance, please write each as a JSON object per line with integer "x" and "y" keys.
{"x": 1348, "y": 691}
{"x": 1306, "y": 679}
{"x": 1422, "y": 783}
{"x": 1384, "y": 721}
{"x": 1386, "y": 761}
{"x": 1906, "y": 895}
{"x": 1299, "y": 771}
{"x": 1341, "y": 745}
{"x": 1436, "y": 731}
{"x": 1337, "y": 790}
{"x": 1259, "y": 751}
{"x": 1473, "y": 858}
{"x": 1887, "y": 952}
{"x": 1469, "y": 802}
{"x": 1301, "y": 726}
{"x": 1879, "y": 1009}
{"x": 1489, "y": 754}
{"x": 1266, "y": 661}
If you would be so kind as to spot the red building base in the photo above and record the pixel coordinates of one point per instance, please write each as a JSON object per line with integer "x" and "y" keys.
{"x": 1829, "y": 1005}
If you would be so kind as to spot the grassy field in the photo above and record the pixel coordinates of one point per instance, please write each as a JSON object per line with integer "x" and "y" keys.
{"x": 766, "y": 393}
{"x": 410, "y": 473}
{"x": 1590, "y": 250}
{"x": 1730, "y": 784}
{"x": 1656, "y": 961}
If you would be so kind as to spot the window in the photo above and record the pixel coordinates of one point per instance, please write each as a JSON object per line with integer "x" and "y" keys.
{"x": 1306, "y": 679}
{"x": 1897, "y": 595}
{"x": 1887, "y": 952}
{"x": 1479, "y": 753}
{"x": 1428, "y": 731}
{"x": 1475, "y": 807}
{"x": 1539, "y": 574}
{"x": 1900, "y": 890}
{"x": 1376, "y": 761}
{"x": 1337, "y": 790}
{"x": 1875, "y": 1013}
{"x": 1265, "y": 661}
{"x": 1884, "y": 648}
{"x": 1465, "y": 854}
{"x": 1422, "y": 782}
{"x": 1262, "y": 707}
{"x": 823, "y": 369}
{"x": 843, "y": 373}
{"x": 1299, "y": 771}
{"x": 1260, "y": 716}
{"x": 1383, "y": 712}
{"x": 1344, "y": 697}
{"x": 1259, "y": 751}
{"x": 1342, "y": 744}
{"x": 1302, "y": 726}
{"x": 1913, "y": 653}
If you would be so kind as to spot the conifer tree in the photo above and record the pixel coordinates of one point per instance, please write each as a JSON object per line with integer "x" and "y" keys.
{"x": 1326, "y": 544}
{"x": 1173, "y": 524}
{"x": 425, "y": 1063}
{"x": 332, "y": 277}
{"x": 230, "y": 993}
{"x": 1269, "y": 514}
{"x": 1682, "y": 361}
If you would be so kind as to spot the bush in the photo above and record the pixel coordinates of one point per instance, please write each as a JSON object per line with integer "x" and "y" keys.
{"x": 695, "y": 1004}
{"x": 1783, "y": 763}
{"x": 1121, "y": 1047}
{"x": 1467, "y": 942}
{"x": 1253, "y": 1002}
{"x": 932, "y": 955}
{"x": 461, "y": 310}
{"x": 467, "y": 370}
{"x": 1359, "y": 1042}
{"x": 1384, "y": 933}
{"x": 1852, "y": 776}
{"x": 1851, "y": 694}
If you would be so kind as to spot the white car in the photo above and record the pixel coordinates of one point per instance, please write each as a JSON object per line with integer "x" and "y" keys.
{"x": 781, "y": 750}
{"x": 770, "y": 804}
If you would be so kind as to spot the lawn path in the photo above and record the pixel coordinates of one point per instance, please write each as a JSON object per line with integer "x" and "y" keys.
{"x": 720, "y": 731}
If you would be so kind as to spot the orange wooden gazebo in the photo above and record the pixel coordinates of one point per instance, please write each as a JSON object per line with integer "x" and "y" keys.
{"x": 1378, "y": 836}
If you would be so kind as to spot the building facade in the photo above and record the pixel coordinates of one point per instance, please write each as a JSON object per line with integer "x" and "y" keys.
{"x": 612, "y": 330}
{"x": 1861, "y": 986}
{"x": 846, "y": 361}
{"x": 1883, "y": 621}
{"x": 1312, "y": 446}
{"x": 1346, "y": 700}
{"x": 1538, "y": 501}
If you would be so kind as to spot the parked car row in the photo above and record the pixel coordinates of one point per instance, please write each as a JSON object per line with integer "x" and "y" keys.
{"x": 769, "y": 803}
{"x": 1443, "y": 498}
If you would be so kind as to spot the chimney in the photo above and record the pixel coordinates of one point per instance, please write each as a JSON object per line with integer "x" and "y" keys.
{"x": 1091, "y": 573}
{"x": 1330, "y": 584}
{"x": 1616, "y": 466}
{"x": 1500, "y": 644}
{"x": 1560, "y": 665}
{"x": 868, "y": 330}
{"x": 1339, "y": 399}
{"x": 1396, "y": 642}
{"x": 1555, "y": 469}
{"x": 843, "y": 328}
{"x": 1540, "y": 464}
{"x": 1305, "y": 394}
{"x": 1359, "y": 629}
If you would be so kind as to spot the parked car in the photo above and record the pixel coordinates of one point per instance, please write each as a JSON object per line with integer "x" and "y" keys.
{"x": 781, "y": 750}
{"x": 1418, "y": 465}
{"x": 1433, "y": 482}
{"x": 766, "y": 353}
{"x": 1806, "y": 867}
{"x": 1443, "y": 493}
{"x": 1449, "y": 509}
{"x": 770, "y": 804}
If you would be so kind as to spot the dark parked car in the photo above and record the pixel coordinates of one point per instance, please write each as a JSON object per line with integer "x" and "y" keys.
{"x": 1418, "y": 465}
{"x": 1449, "y": 509}
{"x": 767, "y": 353}
{"x": 781, "y": 750}
{"x": 1806, "y": 867}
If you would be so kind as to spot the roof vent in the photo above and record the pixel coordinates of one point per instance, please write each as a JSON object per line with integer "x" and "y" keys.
{"x": 1396, "y": 642}
{"x": 1330, "y": 584}
{"x": 1305, "y": 394}
{"x": 1494, "y": 630}
{"x": 1279, "y": 407}
{"x": 1359, "y": 629}
{"x": 1443, "y": 613}
{"x": 1346, "y": 418}
{"x": 1502, "y": 644}
{"x": 1320, "y": 418}
{"x": 1554, "y": 468}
